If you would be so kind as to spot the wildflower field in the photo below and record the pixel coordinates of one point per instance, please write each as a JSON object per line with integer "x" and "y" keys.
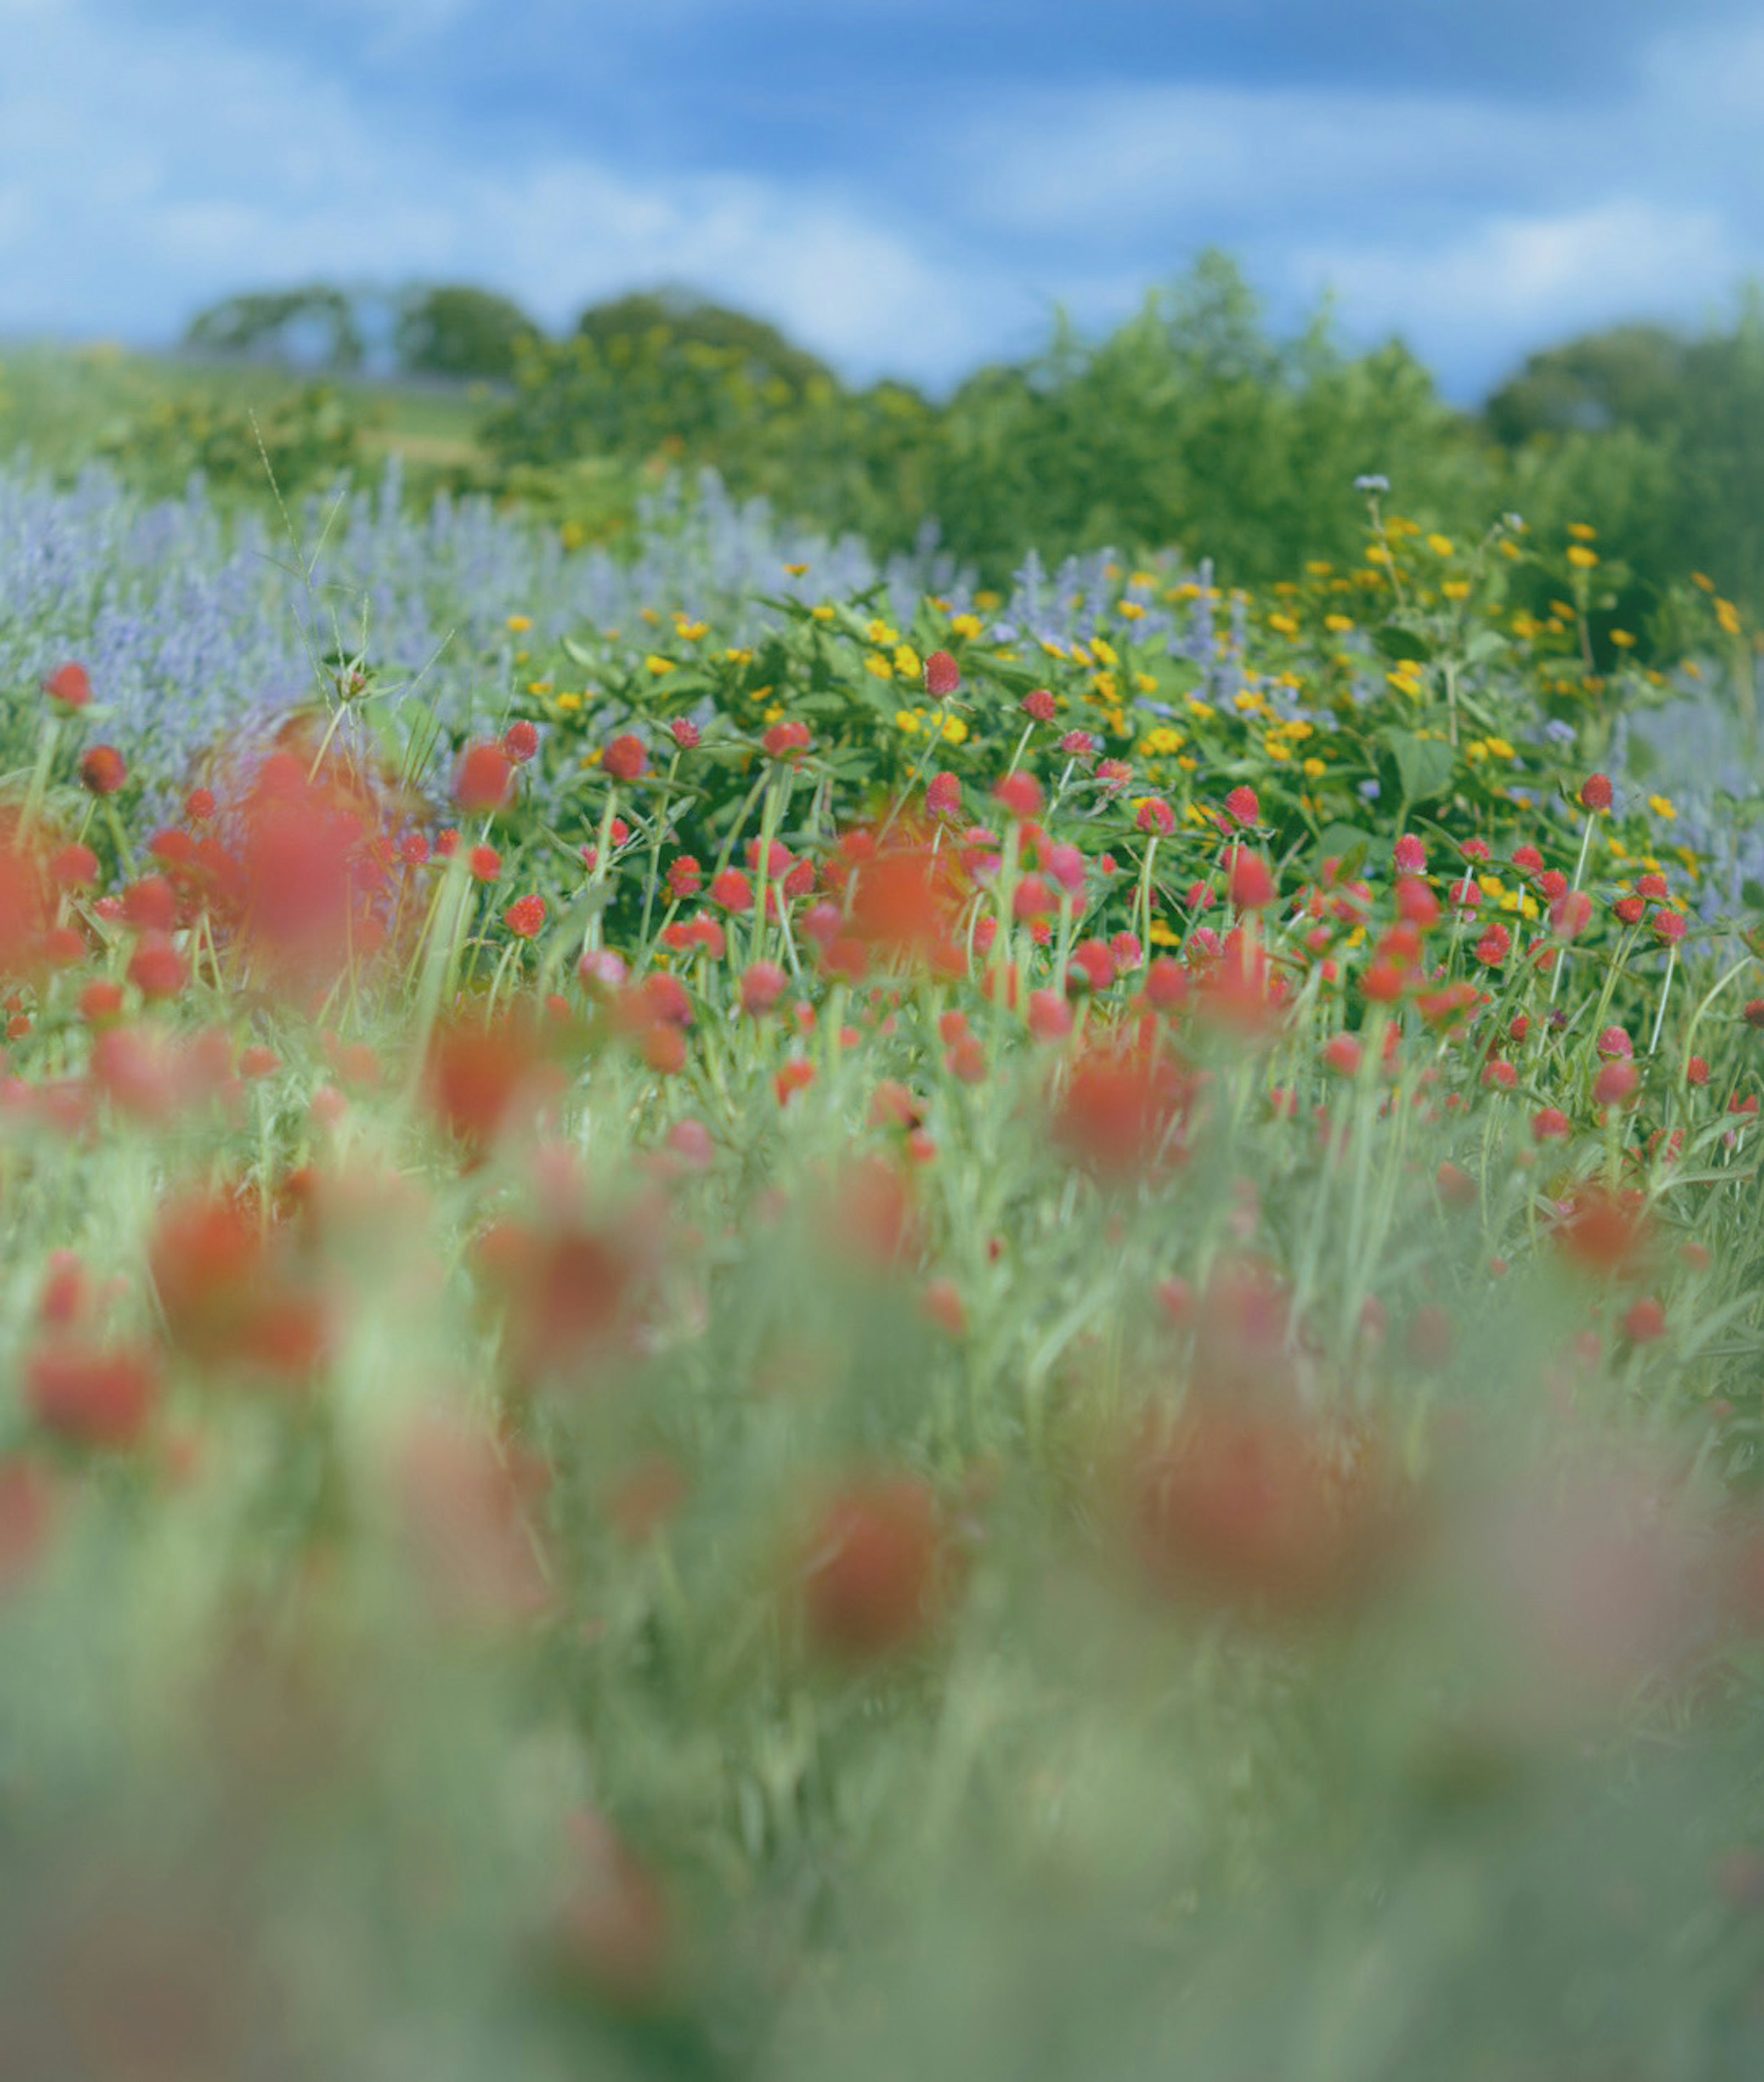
{"x": 766, "y": 1318}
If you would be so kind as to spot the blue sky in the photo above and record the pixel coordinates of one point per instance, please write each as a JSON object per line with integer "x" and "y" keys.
{"x": 906, "y": 188}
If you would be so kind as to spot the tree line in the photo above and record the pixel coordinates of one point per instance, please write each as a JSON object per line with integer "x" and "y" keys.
{"x": 1189, "y": 424}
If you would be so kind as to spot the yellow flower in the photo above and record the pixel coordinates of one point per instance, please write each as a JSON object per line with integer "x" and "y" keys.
{"x": 1248, "y": 701}
{"x": 1196, "y": 707}
{"x": 905, "y": 720}
{"x": 1661, "y": 806}
{"x": 775, "y": 713}
{"x": 739, "y": 657}
{"x": 1440, "y": 545}
{"x": 1283, "y": 624}
{"x": 519, "y": 623}
{"x": 1079, "y": 655}
{"x": 1338, "y": 625}
{"x": 1131, "y": 610}
{"x": 1053, "y": 650}
{"x": 878, "y": 632}
{"x": 569, "y": 703}
{"x": 988, "y": 600}
{"x": 906, "y": 661}
{"x": 1107, "y": 686}
{"x": 1619, "y": 847}
{"x": 824, "y": 613}
{"x": 1701, "y": 578}
{"x": 1582, "y": 558}
{"x": 955, "y": 729}
{"x": 1456, "y": 588}
{"x": 874, "y": 662}
{"x": 1103, "y": 649}
{"x": 1498, "y": 748}
{"x": 1509, "y": 549}
{"x": 1623, "y": 639}
{"x": 1161, "y": 936}
{"x": 538, "y": 686}
{"x": 1145, "y": 578}
{"x": 689, "y": 631}
{"x": 1188, "y": 763}
{"x": 658, "y": 665}
{"x": 1581, "y": 533}
{"x": 520, "y": 657}
{"x": 1162, "y": 742}
{"x": 1728, "y": 616}
{"x": 1298, "y": 730}
{"x": 969, "y": 626}
{"x": 1319, "y": 570}
{"x": 1276, "y": 748}
{"x": 1315, "y": 769}
{"x": 1145, "y": 682}
{"x": 650, "y": 616}
{"x": 572, "y": 534}
{"x": 795, "y": 571}
{"x": 1475, "y": 751}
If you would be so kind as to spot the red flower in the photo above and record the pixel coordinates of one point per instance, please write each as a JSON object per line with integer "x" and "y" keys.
{"x": 762, "y": 985}
{"x": 1630, "y": 909}
{"x": 1595, "y": 792}
{"x": 685, "y": 733}
{"x": 732, "y": 891}
{"x": 483, "y": 779}
{"x": 525, "y": 917}
{"x": 1155, "y": 817}
{"x": 871, "y": 1569}
{"x": 684, "y": 878}
{"x": 1493, "y": 948}
{"x": 70, "y": 685}
{"x": 486, "y": 863}
{"x": 1241, "y": 806}
{"x": 198, "y": 805}
{"x": 1039, "y": 705}
{"x": 1020, "y": 794}
{"x": 1410, "y": 855}
{"x": 785, "y": 740}
{"x": 625, "y": 759}
{"x": 943, "y": 675}
{"x": 90, "y": 1394}
{"x": 1570, "y": 914}
{"x": 521, "y": 741}
{"x": 102, "y": 771}
{"x": 1249, "y": 881}
{"x": 156, "y": 968}
{"x": 943, "y": 798}
{"x": 1644, "y": 1322}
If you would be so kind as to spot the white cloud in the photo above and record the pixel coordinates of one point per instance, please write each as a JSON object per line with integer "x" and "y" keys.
{"x": 179, "y": 170}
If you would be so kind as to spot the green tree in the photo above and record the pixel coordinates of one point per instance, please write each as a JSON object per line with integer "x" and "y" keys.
{"x": 318, "y": 326}
{"x": 454, "y": 330}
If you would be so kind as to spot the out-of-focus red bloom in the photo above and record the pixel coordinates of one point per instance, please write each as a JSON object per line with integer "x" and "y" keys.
{"x": 1117, "y": 1110}
{"x": 26, "y": 1519}
{"x": 1570, "y": 914}
{"x": 565, "y": 1290}
{"x": 1242, "y": 806}
{"x": 625, "y": 759}
{"x": 481, "y": 1076}
{"x": 1039, "y": 705}
{"x": 943, "y": 798}
{"x": 1248, "y": 879}
{"x": 484, "y": 778}
{"x": 466, "y": 1508}
{"x": 1020, "y": 795}
{"x": 787, "y": 740}
{"x": 1595, "y": 792}
{"x": 70, "y": 685}
{"x": 521, "y": 742}
{"x": 156, "y": 968}
{"x": 685, "y": 733}
{"x": 904, "y": 905}
{"x": 1629, "y": 910}
{"x": 763, "y": 984}
{"x": 102, "y": 771}
{"x": 231, "y": 1292}
{"x": 1606, "y": 1233}
{"x": 614, "y": 1928}
{"x": 92, "y": 1395}
{"x": 871, "y": 1569}
{"x": 731, "y": 891}
{"x": 1263, "y": 1511}
{"x": 485, "y": 863}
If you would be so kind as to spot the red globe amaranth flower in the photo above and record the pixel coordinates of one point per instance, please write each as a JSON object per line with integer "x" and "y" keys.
{"x": 102, "y": 771}
{"x": 1629, "y": 909}
{"x": 1249, "y": 883}
{"x": 1670, "y": 926}
{"x": 1753, "y": 1013}
{"x": 92, "y": 1395}
{"x": 1020, "y": 795}
{"x": 1605, "y": 1232}
{"x": 763, "y": 984}
{"x": 1596, "y": 793}
{"x": 1263, "y": 1513}
{"x": 943, "y": 676}
{"x": 1049, "y": 1016}
{"x": 156, "y": 968}
{"x": 786, "y": 740}
{"x": 1551, "y": 1125}
{"x": 525, "y": 918}
{"x": 1242, "y": 806}
{"x": 1696, "y": 1071}
{"x": 1644, "y": 1322}
{"x": 731, "y": 891}
{"x": 1613, "y": 1044}
{"x": 1570, "y": 914}
{"x": 1411, "y": 856}
{"x": 685, "y": 877}
{"x": 198, "y": 805}
{"x": 521, "y": 741}
{"x": 70, "y": 685}
{"x": 1616, "y": 1084}
{"x": 625, "y": 759}
{"x": 74, "y": 867}
{"x": 943, "y": 798}
{"x": 685, "y": 733}
{"x": 1155, "y": 817}
{"x": 484, "y": 778}
{"x": 872, "y": 1571}
{"x": 466, "y": 1502}
{"x": 1039, "y": 705}
{"x": 1117, "y": 1110}
{"x": 1493, "y": 948}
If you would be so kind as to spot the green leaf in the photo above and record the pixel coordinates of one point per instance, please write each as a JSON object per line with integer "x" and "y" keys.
{"x": 1409, "y": 643}
{"x": 1425, "y": 766}
{"x": 1485, "y": 644}
{"x": 1348, "y": 843}
{"x": 1753, "y": 894}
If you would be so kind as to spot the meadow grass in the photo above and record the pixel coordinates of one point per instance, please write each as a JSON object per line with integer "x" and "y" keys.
{"x": 850, "y": 1328}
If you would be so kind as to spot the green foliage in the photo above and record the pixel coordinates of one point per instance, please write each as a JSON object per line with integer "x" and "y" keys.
{"x": 318, "y": 325}
{"x": 459, "y": 331}
{"x": 303, "y": 439}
